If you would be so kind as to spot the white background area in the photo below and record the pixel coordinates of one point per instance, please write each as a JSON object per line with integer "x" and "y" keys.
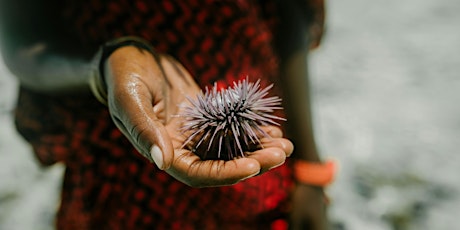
{"x": 386, "y": 87}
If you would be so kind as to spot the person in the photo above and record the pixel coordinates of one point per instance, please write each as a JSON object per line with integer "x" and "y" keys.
{"x": 125, "y": 168}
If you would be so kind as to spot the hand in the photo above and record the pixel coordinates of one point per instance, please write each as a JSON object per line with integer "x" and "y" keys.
{"x": 144, "y": 92}
{"x": 309, "y": 208}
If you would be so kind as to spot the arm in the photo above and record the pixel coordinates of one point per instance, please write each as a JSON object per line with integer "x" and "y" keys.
{"x": 37, "y": 50}
{"x": 298, "y": 33}
{"x": 309, "y": 206}
{"x": 38, "y": 70}
{"x": 296, "y": 86}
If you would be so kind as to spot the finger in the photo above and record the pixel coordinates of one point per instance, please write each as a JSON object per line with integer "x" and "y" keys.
{"x": 286, "y": 145}
{"x": 272, "y": 131}
{"x": 181, "y": 72}
{"x": 180, "y": 82}
{"x": 130, "y": 102}
{"x": 268, "y": 158}
{"x": 142, "y": 127}
{"x": 194, "y": 172}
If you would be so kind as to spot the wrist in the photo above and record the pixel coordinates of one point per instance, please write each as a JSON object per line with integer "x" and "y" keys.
{"x": 98, "y": 81}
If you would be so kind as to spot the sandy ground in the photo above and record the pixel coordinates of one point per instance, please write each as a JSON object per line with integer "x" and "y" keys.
{"x": 386, "y": 84}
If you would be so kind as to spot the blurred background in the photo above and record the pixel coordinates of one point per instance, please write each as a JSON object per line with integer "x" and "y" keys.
{"x": 386, "y": 87}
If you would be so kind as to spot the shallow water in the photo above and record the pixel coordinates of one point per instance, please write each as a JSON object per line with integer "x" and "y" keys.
{"x": 385, "y": 90}
{"x": 386, "y": 82}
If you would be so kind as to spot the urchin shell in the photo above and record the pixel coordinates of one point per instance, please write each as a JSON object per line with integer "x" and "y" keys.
{"x": 224, "y": 124}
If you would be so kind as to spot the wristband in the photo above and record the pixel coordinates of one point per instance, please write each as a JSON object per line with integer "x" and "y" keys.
{"x": 318, "y": 174}
{"x": 97, "y": 79}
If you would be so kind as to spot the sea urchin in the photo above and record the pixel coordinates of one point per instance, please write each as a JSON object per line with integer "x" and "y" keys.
{"x": 224, "y": 124}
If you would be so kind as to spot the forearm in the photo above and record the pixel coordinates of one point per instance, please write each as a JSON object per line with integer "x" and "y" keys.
{"x": 39, "y": 69}
{"x": 297, "y": 100}
{"x": 39, "y": 49}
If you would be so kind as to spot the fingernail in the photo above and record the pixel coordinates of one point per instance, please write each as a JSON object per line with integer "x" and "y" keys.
{"x": 157, "y": 156}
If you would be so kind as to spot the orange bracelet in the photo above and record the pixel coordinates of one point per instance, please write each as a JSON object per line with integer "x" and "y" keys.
{"x": 318, "y": 174}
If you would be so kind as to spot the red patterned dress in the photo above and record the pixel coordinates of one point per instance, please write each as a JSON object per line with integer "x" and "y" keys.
{"x": 107, "y": 184}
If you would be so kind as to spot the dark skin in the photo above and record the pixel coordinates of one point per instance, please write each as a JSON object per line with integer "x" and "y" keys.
{"x": 309, "y": 206}
{"x": 301, "y": 33}
{"x": 140, "y": 104}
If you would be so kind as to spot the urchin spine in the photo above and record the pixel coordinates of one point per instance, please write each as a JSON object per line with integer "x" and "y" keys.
{"x": 224, "y": 124}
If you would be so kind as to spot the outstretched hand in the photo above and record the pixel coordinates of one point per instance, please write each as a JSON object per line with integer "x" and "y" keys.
{"x": 144, "y": 94}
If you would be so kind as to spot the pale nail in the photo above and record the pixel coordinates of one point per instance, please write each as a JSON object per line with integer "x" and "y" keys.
{"x": 157, "y": 156}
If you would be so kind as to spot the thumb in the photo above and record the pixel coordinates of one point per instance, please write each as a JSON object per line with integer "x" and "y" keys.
{"x": 143, "y": 129}
{"x": 161, "y": 149}
{"x": 149, "y": 137}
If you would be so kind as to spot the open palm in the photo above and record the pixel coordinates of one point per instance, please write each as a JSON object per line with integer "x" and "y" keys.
{"x": 144, "y": 94}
